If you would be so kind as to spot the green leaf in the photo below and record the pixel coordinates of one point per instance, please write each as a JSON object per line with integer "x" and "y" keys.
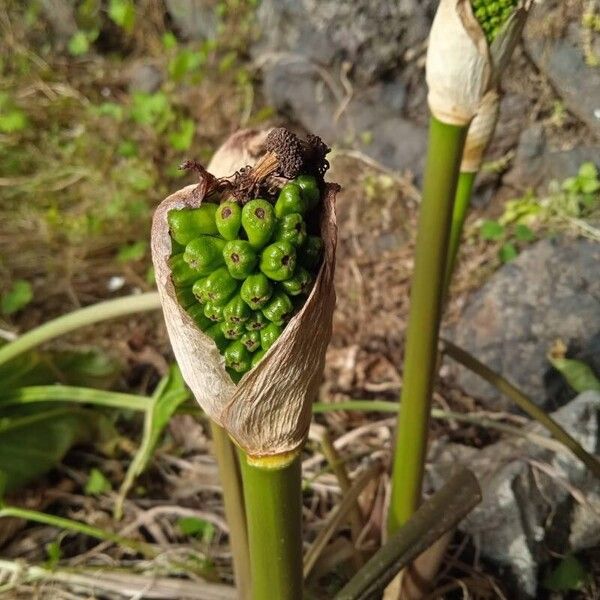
{"x": 588, "y": 170}
{"x": 169, "y": 394}
{"x": 122, "y": 12}
{"x": 110, "y": 109}
{"x": 96, "y": 483}
{"x": 568, "y": 575}
{"x": 491, "y": 231}
{"x": 53, "y": 553}
{"x": 18, "y": 297}
{"x": 590, "y": 186}
{"x": 132, "y": 252}
{"x": 197, "y": 527}
{"x": 79, "y": 44}
{"x": 523, "y": 233}
{"x": 32, "y": 441}
{"x": 13, "y": 120}
{"x": 182, "y": 139}
{"x": 508, "y": 252}
{"x": 151, "y": 109}
{"x": 169, "y": 40}
{"x": 127, "y": 149}
{"x": 185, "y": 61}
{"x": 576, "y": 373}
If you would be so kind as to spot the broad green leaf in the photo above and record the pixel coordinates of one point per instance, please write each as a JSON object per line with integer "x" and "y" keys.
{"x": 169, "y": 40}
{"x": 508, "y": 252}
{"x": 128, "y": 149}
{"x": 197, "y": 527}
{"x": 152, "y": 109}
{"x": 18, "y": 297}
{"x": 588, "y": 170}
{"x": 32, "y": 441}
{"x": 183, "y": 137}
{"x": 122, "y": 12}
{"x": 577, "y": 374}
{"x": 79, "y": 44}
{"x": 169, "y": 394}
{"x": 523, "y": 233}
{"x": 96, "y": 483}
{"x": 132, "y": 252}
{"x": 13, "y": 120}
{"x": 491, "y": 231}
{"x": 570, "y": 574}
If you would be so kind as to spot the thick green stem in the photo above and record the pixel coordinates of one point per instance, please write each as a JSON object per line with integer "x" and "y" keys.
{"x": 274, "y": 512}
{"x": 446, "y": 144}
{"x": 235, "y": 513}
{"x": 464, "y": 189}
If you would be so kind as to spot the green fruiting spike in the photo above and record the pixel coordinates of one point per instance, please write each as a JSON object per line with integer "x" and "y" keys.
{"x": 279, "y": 308}
{"x": 185, "y": 296}
{"x": 240, "y": 258}
{"x": 197, "y": 313}
{"x": 290, "y": 201}
{"x": 269, "y": 335}
{"x": 492, "y": 15}
{"x": 237, "y": 357}
{"x": 181, "y": 273}
{"x": 251, "y": 340}
{"x": 228, "y": 219}
{"x": 220, "y": 286}
{"x": 233, "y": 331}
{"x": 278, "y": 261}
{"x": 200, "y": 291}
{"x": 256, "y": 290}
{"x": 257, "y": 357}
{"x": 236, "y": 310}
{"x": 256, "y": 322}
{"x": 188, "y": 223}
{"x": 216, "y": 333}
{"x": 258, "y": 220}
{"x": 205, "y": 254}
{"x": 213, "y": 311}
{"x": 298, "y": 284}
{"x": 309, "y": 255}
{"x": 291, "y": 228}
{"x": 310, "y": 189}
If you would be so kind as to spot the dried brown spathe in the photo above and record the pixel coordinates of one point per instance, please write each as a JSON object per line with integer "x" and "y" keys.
{"x": 268, "y": 413}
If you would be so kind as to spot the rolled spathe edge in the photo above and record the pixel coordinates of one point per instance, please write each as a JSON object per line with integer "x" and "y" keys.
{"x": 268, "y": 413}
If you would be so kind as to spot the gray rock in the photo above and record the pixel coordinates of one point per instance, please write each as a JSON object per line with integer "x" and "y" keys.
{"x": 194, "y": 19}
{"x": 61, "y": 16}
{"x": 337, "y": 68}
{"x": 535, "y": 502}
{"x": 143, "y": 77}
{"x": 562, "y": 60}
{"x": 535, "y": 164}
{"x": 552, "y": 290}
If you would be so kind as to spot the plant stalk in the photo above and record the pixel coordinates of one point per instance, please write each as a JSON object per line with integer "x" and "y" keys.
{"x": 274, "y": 512}
{"x": 464, "y": 190}
{"x": 235, "y": 513}
{"x": 446, "y": 144}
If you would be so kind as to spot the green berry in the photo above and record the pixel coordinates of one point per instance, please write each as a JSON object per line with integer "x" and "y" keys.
{"x": 220, "y": 286}
{"x": 290, "y": 201}
{"x": 258, "y": 219}
{"x": 256, "y": 290}
{"x": 237, "y": 357}
{"x": 229, "y": 219}
{"x": 200, "y": 291}
{"x": 251, "y": 340}
{"x": 240, "y": 258}
{"x": 236, "y": 310}
{"x": 181, "y": 273}
{"x": 232, "y": 331}
{"x": 216, "y": 333}
{"x": 204, "y": 254}
{"x": 278, "y": 261}
{"x": 299, "y": 283}
{"x": 256, "y": 322}
{"x": 257, "y": 357}
{"x": 185, "y": 296}
{"x": 187, "y": 224}
{"x": 213, "y": 311}
{"x": 279, "y": 308}
{"x": 291, "y": 228}
{"x": 197, "y": 313}
{"x": 309, "y": 255}
{"x": 269, "y": 335}
{"x": 310, "y": 189}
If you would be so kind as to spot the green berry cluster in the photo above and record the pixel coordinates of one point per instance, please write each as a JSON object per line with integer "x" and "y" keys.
{"x": 242, "y": 271}
{"x": 492, "y": 14}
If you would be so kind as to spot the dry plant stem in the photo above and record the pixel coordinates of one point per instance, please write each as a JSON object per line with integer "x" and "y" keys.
{"x": 446, "y": 144}
{"x": 443, "y": 511}
{"x": 523, "y": 402}
{"x": 464, "y": 189}
{"x": 274, "y": 513}
{"x": 233, "y": 500}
